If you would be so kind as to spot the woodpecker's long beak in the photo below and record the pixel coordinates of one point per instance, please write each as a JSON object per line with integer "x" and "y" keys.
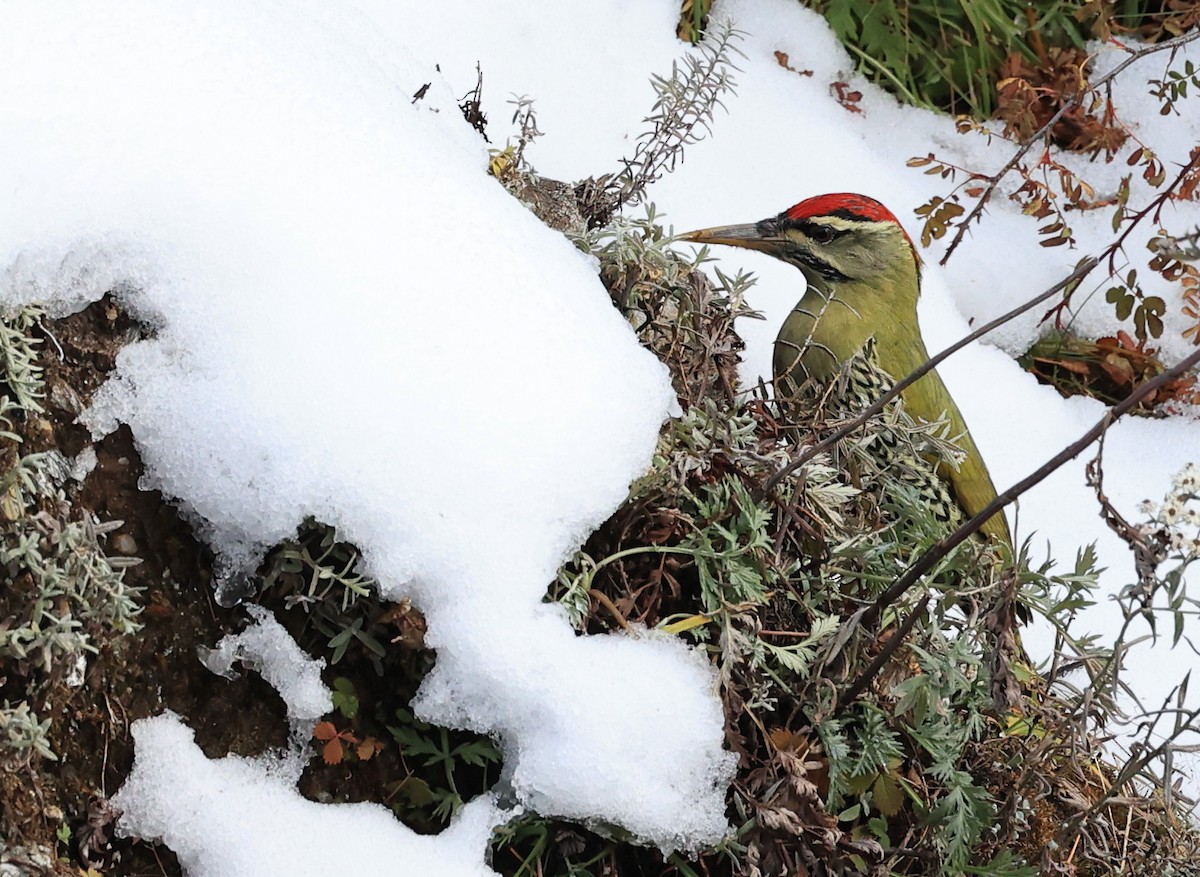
{"x": 750, "y": 236}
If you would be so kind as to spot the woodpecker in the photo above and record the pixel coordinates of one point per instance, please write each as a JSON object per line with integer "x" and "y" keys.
{"x": 858, "y": 319}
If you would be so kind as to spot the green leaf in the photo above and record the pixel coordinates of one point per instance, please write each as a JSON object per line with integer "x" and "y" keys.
{"x": 1123, "y": 299}
{"x": 887, "y": 794}
{"x": 414, "y": 791}
{"x": 345, "y": 701}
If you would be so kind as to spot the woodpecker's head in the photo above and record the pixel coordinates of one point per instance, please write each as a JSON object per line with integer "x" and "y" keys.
{"x": 835, "y": 238}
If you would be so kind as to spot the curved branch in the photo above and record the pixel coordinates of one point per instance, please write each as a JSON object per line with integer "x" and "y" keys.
{"x": 929, "y": 559}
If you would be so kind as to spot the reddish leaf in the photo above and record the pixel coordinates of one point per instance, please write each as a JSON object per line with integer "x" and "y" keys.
{"x": 367, "y": 749}
{"x": 1119, "y": 370}
{"x": 1070, "y": 365}
{"x": 333, "y": 752}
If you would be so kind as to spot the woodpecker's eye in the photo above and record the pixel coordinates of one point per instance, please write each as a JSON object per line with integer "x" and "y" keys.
{"x": 822, "y": 234}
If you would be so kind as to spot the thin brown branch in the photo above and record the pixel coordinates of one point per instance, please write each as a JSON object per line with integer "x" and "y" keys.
{"x": 1154, "y": 208}
{"x": 1038, "y": 136}
{"x": 930, "y": 558}
{"x": 859, "y": 685}
{"x": 1146, "y": 557}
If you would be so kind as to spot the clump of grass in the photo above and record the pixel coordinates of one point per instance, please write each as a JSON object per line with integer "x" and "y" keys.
{"x": 947, "y": 55}
{"x": 951, "y": 55}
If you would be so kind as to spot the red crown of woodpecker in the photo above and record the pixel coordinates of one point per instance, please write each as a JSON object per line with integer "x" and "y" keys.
{"x": 847, "y": 205}
{"x": 850, "y": 206}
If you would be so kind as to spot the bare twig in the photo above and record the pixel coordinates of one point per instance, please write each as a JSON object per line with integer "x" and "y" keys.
{"x": 1146, "y": 557}
{"x": 859, "y": 685}
{"x": 1153, "y": 209}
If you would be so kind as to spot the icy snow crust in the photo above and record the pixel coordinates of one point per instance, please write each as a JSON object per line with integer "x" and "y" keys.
{"x": 244, "y": 820}
{"x": 269, "y": 650}
{"x": 353, "y": 322}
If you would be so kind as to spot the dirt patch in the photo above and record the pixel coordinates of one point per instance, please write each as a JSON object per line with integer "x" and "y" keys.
{"x": 157, "y": 669}
{"x": 136, "y": 676}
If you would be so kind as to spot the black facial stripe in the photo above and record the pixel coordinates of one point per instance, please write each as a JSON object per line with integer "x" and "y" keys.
{"x": 804, "y": 259}
{"x": 775, "y": 226}
{"x": 818, "y": 231}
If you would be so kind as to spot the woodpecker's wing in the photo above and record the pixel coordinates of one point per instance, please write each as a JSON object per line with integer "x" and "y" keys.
{"x": 971, "y": 482}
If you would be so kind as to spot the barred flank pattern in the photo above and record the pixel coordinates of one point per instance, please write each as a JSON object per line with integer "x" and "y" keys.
{"x": 859, "y": 384}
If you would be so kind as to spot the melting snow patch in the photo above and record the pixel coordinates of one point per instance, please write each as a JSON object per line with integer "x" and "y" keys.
{"x": 237, "y": 817}
{"x": 269, "y": 650}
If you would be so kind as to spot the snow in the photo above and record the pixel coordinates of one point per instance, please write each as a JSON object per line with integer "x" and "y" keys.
{"x": 355, "y": 323}
{"x": 239, "y": 816}
{"x": 269, "y": 650}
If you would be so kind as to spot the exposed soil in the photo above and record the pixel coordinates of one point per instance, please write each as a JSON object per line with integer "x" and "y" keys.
{"x": 135, "y": 676}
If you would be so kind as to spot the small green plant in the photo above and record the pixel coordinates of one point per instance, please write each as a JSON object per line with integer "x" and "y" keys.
{"x": 437, "y": 749}
{"x": 22, "y": 735}
{"x": 684, "y": 108}
{"x": 345, "y": 701}
{"x": 318, "y": 573}
{"x": 1129, "y": 300}
{"x": 18, "y": 358}
{"x": 71, "y": 588}
{"x": 1174, "y": 87}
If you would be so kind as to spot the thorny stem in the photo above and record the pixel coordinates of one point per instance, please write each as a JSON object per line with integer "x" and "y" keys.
{"x": 841, "y": 432}
{"x": 993, "y": 181}
{"x": 943, "y": 547}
